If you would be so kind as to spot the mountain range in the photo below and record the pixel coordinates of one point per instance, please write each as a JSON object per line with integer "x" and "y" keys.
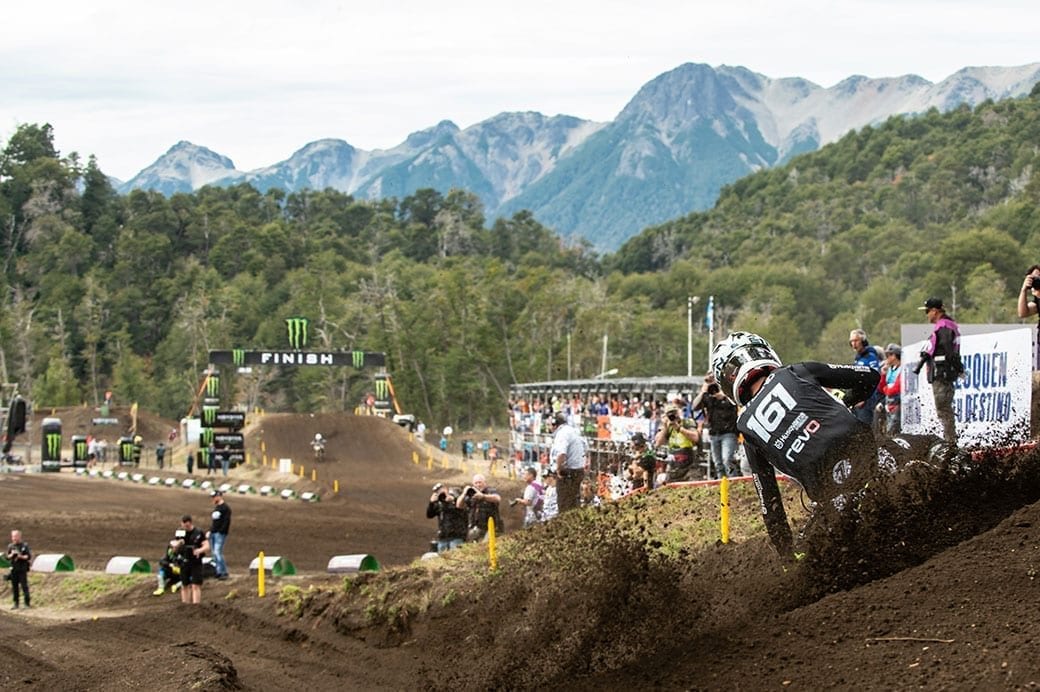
{"x": 681, "y": 138}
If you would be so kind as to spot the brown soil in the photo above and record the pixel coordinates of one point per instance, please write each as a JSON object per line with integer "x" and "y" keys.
{"x": 940, "y": 597}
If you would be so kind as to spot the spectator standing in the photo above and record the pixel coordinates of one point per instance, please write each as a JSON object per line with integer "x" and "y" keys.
{"x": 191, "y": 546}
{"x": 1029, "y": 303}
{"x": 533, "y": 498}
{"x": 679, "y": 435}
{"x": 190, "y": 462}
{"x": 865, "y": 355}
{"x": 420, "y": 431}
{"x": 550, "y": 505}
{"x": 20, "y": 556}
{"x": 451, "y": 519}
{"x": 211, "y": 459}
{"x": 225, "y": 461}
{"x": 160, "y": 455}
{"x": 942, "y": 357}
{"x": 892, "y": 387}
{"x": 218, "y": 532}
{"x": 642, "y": 464}
{"x": 568, "y": 451}
{"x": 482, "y": 503}
{"x": 444, "y": 443}
{"x": 722, "y": 426}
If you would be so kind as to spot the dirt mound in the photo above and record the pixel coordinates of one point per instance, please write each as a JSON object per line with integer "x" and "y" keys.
{"x": 79, "y": 420}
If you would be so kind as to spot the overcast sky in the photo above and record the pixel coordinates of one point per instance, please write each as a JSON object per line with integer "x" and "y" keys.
{"x": 257, "y": 80}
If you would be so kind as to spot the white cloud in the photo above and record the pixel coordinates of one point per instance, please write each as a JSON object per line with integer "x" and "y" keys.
{"x": 256, "y": 80}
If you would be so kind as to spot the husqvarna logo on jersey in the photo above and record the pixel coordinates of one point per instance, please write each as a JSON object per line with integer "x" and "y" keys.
{"x": 297, "y": 329}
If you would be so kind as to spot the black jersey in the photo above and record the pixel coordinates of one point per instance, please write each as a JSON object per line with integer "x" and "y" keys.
{"x": 796, "y": 426}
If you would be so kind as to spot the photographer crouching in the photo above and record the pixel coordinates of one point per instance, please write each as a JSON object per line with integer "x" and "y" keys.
{"x": 481, "y": 503}
{"x": 20, "y": 557}
{"x": 451, "y": 520}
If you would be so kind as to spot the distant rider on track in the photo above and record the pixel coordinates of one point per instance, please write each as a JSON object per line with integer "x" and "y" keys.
{"x": 318, "y": 445}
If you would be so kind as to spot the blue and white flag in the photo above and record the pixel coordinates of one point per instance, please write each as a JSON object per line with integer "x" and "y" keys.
{"x": 709, "y": 314}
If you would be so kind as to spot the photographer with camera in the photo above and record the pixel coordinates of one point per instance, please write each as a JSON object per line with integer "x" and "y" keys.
{"x": 191, "y": 544}
{"x": 20, "y": 557}
{"x": 679, "y": 435}
{"x": 481, "y": 503}
{"x": 722, "y": 426}
{"x": 169, "y": 574}
{"x": 1029, "y": 302}
{"x": 451, "y": 520}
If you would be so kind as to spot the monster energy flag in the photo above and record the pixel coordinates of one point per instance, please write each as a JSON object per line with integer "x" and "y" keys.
{"x": 126, "y": 450}
{"x": 51, "y": 441}
{"x": 79, "y": 450}
{"x": 382, "y": 402}
{"x": 354, "y": 359}
{"x": 211, "y": 389}
{"x": 297, "y": 332}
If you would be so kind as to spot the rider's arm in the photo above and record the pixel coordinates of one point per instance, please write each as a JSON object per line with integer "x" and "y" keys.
{"x": 859, "y": 381}
{"x": 772, "y": 505}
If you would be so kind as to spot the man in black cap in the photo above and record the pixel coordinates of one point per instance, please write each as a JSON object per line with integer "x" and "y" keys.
{"x": 942, "y": 357}
{"x": 641, "y": 468}
{"x": 218, "y": 531}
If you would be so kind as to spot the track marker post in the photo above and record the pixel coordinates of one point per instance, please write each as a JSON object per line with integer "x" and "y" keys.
{"x": 492, "y": 548}
{"x": 335, "y": 486}
{"x": 260, "y": 590}
{"x": 724, "y": 502}
{"x": 301, "y": 470}
{"x": 314, "y": 474}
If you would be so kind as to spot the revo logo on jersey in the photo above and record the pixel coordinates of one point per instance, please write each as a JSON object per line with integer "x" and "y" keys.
{"x": 770, "y": 413}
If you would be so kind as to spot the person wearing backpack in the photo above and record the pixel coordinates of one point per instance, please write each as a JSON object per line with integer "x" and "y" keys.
{"x": 942, "y": 356}
{"x": 533, "y": 499}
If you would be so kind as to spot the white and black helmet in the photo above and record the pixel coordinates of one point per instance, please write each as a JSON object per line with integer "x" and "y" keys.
{"x": 738, "y": 360}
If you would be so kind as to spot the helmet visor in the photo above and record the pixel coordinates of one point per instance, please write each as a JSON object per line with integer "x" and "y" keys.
{"x": 732, "y": 372}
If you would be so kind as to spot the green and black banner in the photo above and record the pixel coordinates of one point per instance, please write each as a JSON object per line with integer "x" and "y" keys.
{"x": 355, "y": 359}
{"x": 126, "y": 450}
{"x": 212, "y": 417}
{"x": 229, "y": 440}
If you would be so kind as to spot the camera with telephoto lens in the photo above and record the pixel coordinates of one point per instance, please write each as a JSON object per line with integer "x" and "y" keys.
{"x": 713, "y": 388}
{"x": 470, "y": 491}
{"x": 1036, "y": 283}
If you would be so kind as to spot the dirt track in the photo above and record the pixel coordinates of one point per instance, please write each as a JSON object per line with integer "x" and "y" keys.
{"x": 727, "y": 619}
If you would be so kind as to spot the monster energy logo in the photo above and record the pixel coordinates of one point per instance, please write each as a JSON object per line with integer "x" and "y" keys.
{"x": 53, "y": 446}
{"x": 382, "y": 390}
{"x": 359, "y": 359}
{"x": 238, "y": 357}
{"x": 209, "y": 416}
{"x": 297, "y": 328}
{"x": 207, "y": 436}
{"x": 80, "y": 451}
{"x": 212, "y": 385}
{"x": 126, "y": 450}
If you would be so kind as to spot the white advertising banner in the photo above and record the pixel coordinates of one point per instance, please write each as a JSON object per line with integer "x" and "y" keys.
{"x": 992, "y": 400}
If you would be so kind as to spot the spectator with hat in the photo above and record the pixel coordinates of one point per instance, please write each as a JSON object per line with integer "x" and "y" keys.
{"x": 891, "y": 387}
{"x": 942, "y": 358}
{"x": 218, "y": 531}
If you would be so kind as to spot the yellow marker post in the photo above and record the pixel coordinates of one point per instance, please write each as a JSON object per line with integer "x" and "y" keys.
{"x": 301, "y": 470}
{"x": 335, "y": 486}
{"x": 724, "y": 500}
{"x": 263, "y": 446}
{"x": 415, "y": 457}
{"x": 429, "y": 463}
{"x": 260, "y": 576}
{"x": 314, "y": 474}
{"x": 492, "y": 553}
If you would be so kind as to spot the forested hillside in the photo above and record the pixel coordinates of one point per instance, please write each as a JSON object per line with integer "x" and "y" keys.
{"x": 129, "y": 293}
